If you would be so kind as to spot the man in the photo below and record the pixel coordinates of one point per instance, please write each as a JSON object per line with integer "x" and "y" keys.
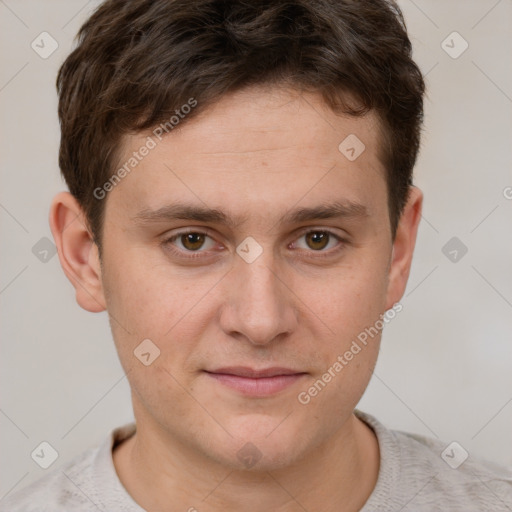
{"x": 241, "y": 204}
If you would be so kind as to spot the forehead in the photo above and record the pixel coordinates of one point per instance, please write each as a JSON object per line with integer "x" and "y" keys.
{"x": 253, "y": 149}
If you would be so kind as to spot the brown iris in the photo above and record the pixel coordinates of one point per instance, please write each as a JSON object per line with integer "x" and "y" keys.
{"x": 317, "y": 239}
{"x": 192, "y": 241}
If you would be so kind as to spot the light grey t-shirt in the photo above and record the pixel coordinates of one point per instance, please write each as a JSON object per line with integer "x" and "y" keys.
{"x": 415, "y": 475}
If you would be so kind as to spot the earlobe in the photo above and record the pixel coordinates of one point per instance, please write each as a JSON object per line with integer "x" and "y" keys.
{"x": 77, "y": 251}
{"x": 403, "y": 247}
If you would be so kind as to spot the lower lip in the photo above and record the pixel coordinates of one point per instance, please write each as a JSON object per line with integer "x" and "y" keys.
{"x": 257, "y": 387}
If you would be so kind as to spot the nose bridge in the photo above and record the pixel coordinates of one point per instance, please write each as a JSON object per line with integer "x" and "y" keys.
{"x": 260, "y": 307}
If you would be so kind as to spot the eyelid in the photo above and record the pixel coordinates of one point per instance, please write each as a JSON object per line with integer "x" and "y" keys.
{"x": 326, "y": 229}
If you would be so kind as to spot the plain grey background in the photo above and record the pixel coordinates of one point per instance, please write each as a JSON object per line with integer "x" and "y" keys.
{"x": 445, "y": 368}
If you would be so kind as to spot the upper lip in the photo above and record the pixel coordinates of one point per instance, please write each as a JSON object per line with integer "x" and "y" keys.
{"x": 245, "y": 371}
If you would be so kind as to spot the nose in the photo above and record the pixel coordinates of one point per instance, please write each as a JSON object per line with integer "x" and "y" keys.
{"x": 259, "y": 305}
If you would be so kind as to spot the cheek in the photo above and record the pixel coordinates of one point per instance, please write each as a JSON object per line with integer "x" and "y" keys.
{"x": 148, "y": 299}
{"x": 350, "y": 303}
{"x": 349, "y": 299}
{"x": 148, "y": 296}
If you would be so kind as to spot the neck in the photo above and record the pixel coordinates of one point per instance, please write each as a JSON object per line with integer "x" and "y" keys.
{"x": 340, "y": 474}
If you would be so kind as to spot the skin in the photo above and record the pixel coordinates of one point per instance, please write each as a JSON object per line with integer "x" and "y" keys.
{"x": 257, "y": 153}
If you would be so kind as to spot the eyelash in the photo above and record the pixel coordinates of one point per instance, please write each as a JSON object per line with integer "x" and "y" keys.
{"x": 199, "y": 253}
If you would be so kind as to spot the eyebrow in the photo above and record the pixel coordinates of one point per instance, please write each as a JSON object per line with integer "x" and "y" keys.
{"x": 182, "y": 211}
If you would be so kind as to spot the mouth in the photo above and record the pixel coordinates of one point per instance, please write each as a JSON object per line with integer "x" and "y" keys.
{"x": 253, "y": 382}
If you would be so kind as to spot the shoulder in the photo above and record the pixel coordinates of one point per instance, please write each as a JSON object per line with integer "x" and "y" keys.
{"x": 87, "y": 482}
{"x": 55, "y": 491}
{"x": 451, "y": 476}
{"x": 421, "y": 473}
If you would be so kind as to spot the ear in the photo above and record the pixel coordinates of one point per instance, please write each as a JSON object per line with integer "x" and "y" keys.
{"x": 78, "y": 254}
{"x": 403, "y": 247}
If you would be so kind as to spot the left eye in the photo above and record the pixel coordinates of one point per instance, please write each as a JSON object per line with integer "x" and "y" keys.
{"x": 318, "y": 240}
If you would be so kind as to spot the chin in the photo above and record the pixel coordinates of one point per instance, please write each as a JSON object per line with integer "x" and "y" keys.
{"x": 262, "y": 443}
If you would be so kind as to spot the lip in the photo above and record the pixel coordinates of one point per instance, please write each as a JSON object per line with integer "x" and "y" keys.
{"x": 246, "y": 371}
{"x": 253, "y": 382}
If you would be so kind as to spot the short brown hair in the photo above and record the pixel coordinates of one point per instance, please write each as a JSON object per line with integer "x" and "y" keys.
{"x": 138, "y": 61}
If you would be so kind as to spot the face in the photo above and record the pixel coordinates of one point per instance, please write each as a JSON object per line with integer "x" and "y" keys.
{"x": 284, "y": 263}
